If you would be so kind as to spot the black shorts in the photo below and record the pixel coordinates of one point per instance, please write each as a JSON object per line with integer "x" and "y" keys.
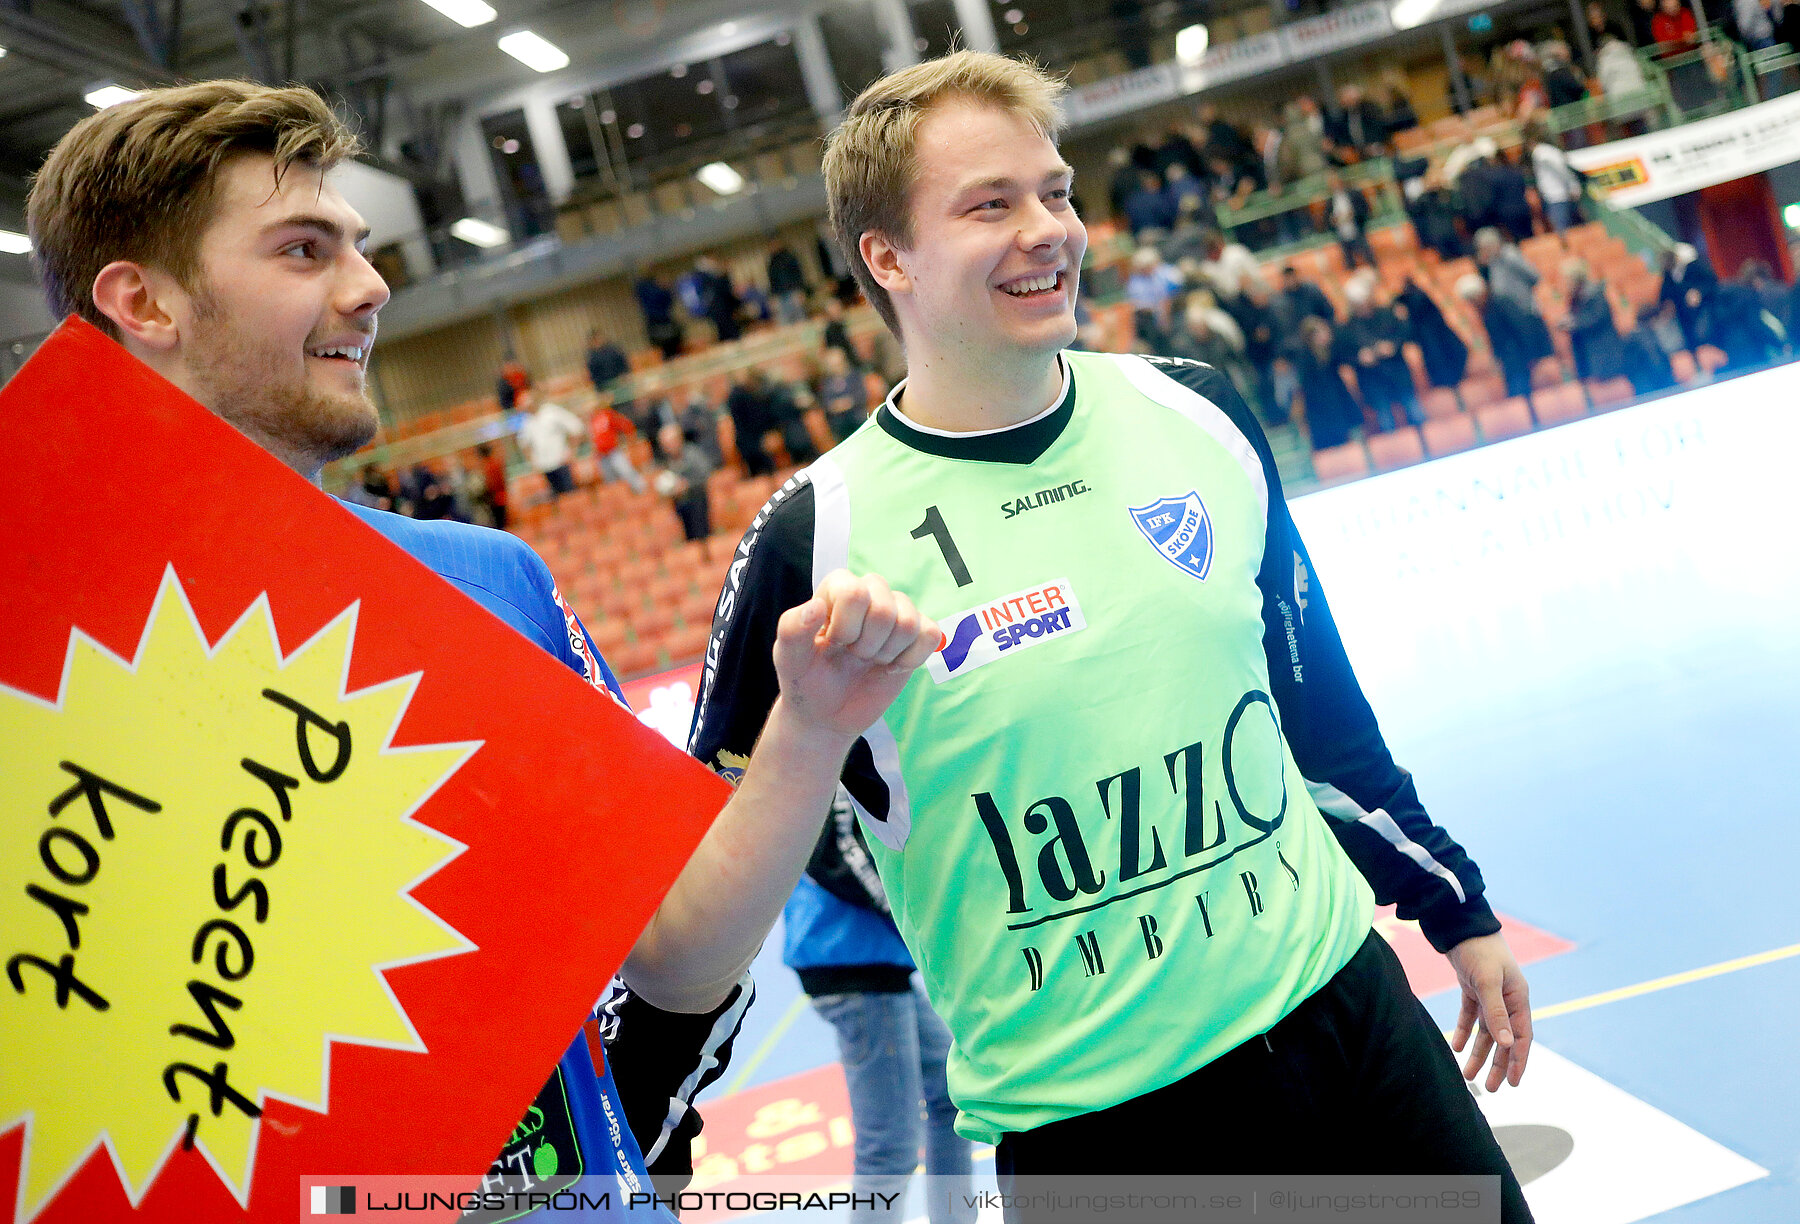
{"x": 1355, "y": 1080}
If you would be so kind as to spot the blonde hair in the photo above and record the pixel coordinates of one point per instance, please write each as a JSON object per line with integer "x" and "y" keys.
{"x": 871, "y": 160}
{"x": 138, "y": 181}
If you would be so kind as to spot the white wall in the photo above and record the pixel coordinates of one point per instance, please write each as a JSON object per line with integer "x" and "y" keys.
{"x": 387, "y": 203}
{"x": 22, "y": 308}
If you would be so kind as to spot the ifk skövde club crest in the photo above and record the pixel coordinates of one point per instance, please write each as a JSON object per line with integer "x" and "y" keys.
{"x": 1181, "y": 530}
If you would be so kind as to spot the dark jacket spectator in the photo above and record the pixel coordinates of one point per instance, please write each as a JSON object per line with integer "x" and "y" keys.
{"x": 683, "y": 482}
{"x": 752, "y": 416}
{"x": 1689, "y": 284}
{"x": 1149, "y": 208}
{"x": 1331, "y": 410}
{"x": 1645, "y": 362}
{"x": 718, "y": 301}
{"x": 1517, "y": 335}
{"x": 1356, "y": 128}
{"x": 1434, "y": 214}
{"x": 844, "y": 394}
{"x": 1642, "y": 14}
{"x": 658, "y": 305}
{"x": 1599, "y": 351}
{"x": 606, "y": 362}
{"x": 785, "y": 273}
{"x": 1740, "y": 329}
{"x": 1375, "y": 335}
{"x": 1446, "y": 356}
{"x": 1300, "y": 299}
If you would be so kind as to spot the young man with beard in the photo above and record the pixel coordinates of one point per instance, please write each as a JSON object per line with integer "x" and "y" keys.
{"x": 1129, "y": 818}
{"x": 199, "y": 227}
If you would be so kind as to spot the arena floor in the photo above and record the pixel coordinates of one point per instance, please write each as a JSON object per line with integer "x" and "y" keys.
{"x": 1585, "y": 645}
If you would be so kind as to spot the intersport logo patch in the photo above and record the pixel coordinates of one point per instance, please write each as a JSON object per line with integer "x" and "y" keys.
{"x": 989, "y": 631}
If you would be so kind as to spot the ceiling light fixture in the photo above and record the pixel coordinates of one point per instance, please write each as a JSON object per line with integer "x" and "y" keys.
{"x": 534, "y": 51}
{"x": 110, "y": 94}
{"x": 1407, "y": 14}
{"x": 14, "y": 244}
{"x": 721, "y": 178}
{"x": 483, "y": 234}
{"x": 1190, "y": 44}
{"x": 466, "y": 13}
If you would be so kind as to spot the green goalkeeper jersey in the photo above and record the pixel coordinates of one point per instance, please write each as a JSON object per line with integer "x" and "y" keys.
{"x": 1093, "y": 833}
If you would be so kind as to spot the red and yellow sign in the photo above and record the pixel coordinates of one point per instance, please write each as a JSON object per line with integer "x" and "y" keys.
{"x": 308, "y": 865}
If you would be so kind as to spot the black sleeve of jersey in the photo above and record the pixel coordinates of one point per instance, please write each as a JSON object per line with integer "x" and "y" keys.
{"x": 660, "y": 1061}
{"x": 1369, "y": 802}
{"x": 771, "y": 572}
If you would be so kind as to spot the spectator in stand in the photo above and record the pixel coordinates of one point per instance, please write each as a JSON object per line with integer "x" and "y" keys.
{"x": 1617, "y": 69}
{"x": 609, "y": 429}
{"x": 1559, "y": 185}
{"x": 1562, "y": 83}
{"x": 1182, "y": 191}
{"x": 1775, "y": 298}
{"x": 1178, "y": 149}
{"x": 1301, "y": 299}
{"x": 1210, "y": 335}
{"x": 1756, "y": 22}
{"x": 1233, "y": 182}
{"x": 1332, "y": 411}
{"x": 1257, "y": 318}
{"x": 752, "y": 417}
{"x": 1673, "y": 29}
{"x": 1599, "y": 351}
{"x": 837, "y": 331}
{"x": 1600, "y": 27}
{"x": 754, "y": 307}
{"x": 699, "y": 420}
{"x": 1508, "y": 273}
{"x": 1688, "y": 284}
{"x": 1397, "y": 114}
{"x": 1356, "y": 130}
{"x": 1643, "y": 21}
{"x": 658, "y": 305}
{"x": 371, "y": 489}
{"x": 1509, "y": 207}
{"x": 1148, "y": 209}
{"x": 1151, "y": 290}
{"x": 1434, "y": 212}
{"x": 1741, "y": 328}
{"x": 1787, "y": 25}
{"x": 1347, "y": 211}
{"x": 788, "y": 404}
{"x": 547, "y": 439}
{"x": 1124, "y": 179}
{"x": 683, "y": 482}
{"x": 718, "y": 301}
{"x": 1516, "y": 333}
{"x": 1646, "y": 362}
{"x": 606, "y": 365}
{"x": 430, "y": 495}
{"x": 493, "y": 478}
{"x": 843, "y": 393}
{"x": 513, "y": 379}
{"x": 1446, "y": 356}
{"x": 1223, "y": 138}
{"x": 787, "y": 283}
{"x": 1375, "y": 334}
{"x": 1302, "y": 153}
{"x": 1225, "y": 265}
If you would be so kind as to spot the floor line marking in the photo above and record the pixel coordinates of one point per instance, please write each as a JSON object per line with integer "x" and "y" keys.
{"x": 1664, "y": 983}
{"x": 768, "y": 1043}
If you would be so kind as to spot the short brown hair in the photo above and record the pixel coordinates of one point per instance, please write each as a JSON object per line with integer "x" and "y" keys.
{"x": 137, "y": 180}
{"x": 870, "y": 160}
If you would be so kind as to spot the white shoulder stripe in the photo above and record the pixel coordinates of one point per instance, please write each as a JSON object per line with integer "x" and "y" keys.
{"x": 1339, "y": 806}
{"x": 1202, "y": 412}
{"x": 831, "y": 551}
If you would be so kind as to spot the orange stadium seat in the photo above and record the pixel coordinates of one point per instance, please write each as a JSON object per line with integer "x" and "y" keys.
{"x": 1397, "y": 449}
{"x": 698, "y": 609}
{"x": 1439, "y": 403}
{"x": 1613, "y": 393}
{"x": 1336, "y": 464}
{"x": 608, "y": 634}
{"x": 653, "y": 621}
{"x": 687, "y": 645}
{"x": 1478, "y": 391}
{"x": 1506, "y": 419}
{"x": 1563, "y": 402}
{"x": 634, "y": 659}
{"x": 1447, "y": 435}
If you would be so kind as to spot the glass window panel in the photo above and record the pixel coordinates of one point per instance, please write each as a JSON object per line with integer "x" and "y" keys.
{"x": 854, "y": 42}
{"x": 765, "y": 80}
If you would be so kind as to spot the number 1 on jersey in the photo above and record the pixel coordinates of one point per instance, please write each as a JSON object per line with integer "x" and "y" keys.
{"x": 934, "y": 526}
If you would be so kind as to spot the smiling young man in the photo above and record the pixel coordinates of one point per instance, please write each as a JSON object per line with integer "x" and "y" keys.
{"x": 199, "y": 227}
{"x": 1133, "y": 818}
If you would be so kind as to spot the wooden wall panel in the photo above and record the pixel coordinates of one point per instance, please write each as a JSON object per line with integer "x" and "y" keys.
{"x": 438, "y": 369}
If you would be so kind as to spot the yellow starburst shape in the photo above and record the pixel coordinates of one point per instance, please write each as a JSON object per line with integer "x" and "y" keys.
{"x": 206, "y": 856}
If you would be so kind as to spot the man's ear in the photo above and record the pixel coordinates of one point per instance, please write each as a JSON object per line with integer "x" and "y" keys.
{"x": 883, "y": 259}
{"x": 138, "y": 300}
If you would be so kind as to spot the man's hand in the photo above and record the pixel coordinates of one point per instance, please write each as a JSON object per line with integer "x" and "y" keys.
{"x": 844, "y": 655}
{"x": 1496, "y": 1005}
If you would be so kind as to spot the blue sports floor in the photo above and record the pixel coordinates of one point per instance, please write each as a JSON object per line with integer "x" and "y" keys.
{"x": 1585, "y": 644}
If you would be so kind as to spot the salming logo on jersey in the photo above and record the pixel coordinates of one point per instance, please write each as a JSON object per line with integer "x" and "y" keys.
{"x": 984, "y": 633}
{"x": 1181, "y": 530}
